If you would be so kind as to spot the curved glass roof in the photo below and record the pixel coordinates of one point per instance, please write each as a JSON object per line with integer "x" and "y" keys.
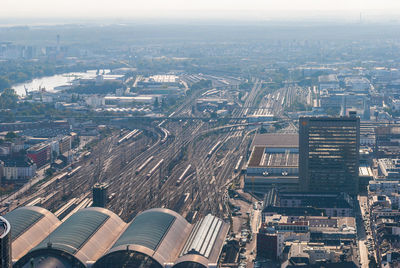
{"x": 204, "y": 236}
{"x": 147, "y": 229}
{"x": 75, "y": 231}
{"x": 127, "y": 259}
{"x": 188, "y": 264}
{"x": 22, "y": 219}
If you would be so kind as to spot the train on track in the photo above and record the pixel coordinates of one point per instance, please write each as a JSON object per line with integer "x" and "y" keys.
{"x": 238, "y": 164}
{"x": 183, "y": 175}
{"x": 142, "y": 166}
{"x": 74, "y": 171}
{"x": 213, "y": 149}
{"x": 166, "y": 134}
{"x": 86, "y": 154}
{"x": 157, "y": 166}
{"x": 128, "y": 136}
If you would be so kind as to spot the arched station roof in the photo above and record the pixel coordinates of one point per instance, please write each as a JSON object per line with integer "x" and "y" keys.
{"x": 158, "y": 233}
{"x": 30, "y": 225}
{"x": 191, "y": 261}
{"x": 82, "y": 238}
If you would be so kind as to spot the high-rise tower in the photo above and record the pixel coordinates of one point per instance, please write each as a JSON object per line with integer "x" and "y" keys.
{"x": 329, "y": 153}
{"x": 5, "y": 244}
{"x": 100, "y": 195}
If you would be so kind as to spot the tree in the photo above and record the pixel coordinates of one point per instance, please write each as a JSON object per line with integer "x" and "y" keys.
{"x": 4, "y": 83}
{"x": 49, "y": 172}
{"x": 10, "y": 136}
{"x": 8, "y": 99}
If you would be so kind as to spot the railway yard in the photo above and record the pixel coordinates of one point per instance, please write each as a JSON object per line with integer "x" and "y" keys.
{"x": 183, "y": 165}
{"x": 183, "y": 162}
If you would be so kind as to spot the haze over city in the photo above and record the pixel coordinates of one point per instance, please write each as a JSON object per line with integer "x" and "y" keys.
{"x": 199, "y": 134}
{"x": 193, "y": 9}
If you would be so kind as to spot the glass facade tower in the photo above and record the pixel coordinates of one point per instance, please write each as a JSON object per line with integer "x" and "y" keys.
{"x": 5, "y": 244}
{"x": 329, "y": 154}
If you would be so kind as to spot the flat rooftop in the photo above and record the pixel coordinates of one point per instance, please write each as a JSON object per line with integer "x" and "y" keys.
{"x": 128, "y": 98}
{"x": 260, "y": 158}
{"x": 365, "y": 171}
{"x": 275, "y": 150}
{"x": 276, "y": 140}
{"x": 331, "y": 78}
{"x": 313, "y": 221}
{"x": 164, "y": 78}
{"x": 315, "y": 200}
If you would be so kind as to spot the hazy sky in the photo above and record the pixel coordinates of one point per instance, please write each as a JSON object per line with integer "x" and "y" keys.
{"x": 192, "y": 8}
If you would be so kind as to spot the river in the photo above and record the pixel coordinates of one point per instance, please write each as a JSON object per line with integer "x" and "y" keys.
{"x": 51, "y": 82}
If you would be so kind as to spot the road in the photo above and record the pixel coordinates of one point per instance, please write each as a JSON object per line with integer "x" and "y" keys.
{"x": 40, "y": 175}
{"x": 363, "y": 227}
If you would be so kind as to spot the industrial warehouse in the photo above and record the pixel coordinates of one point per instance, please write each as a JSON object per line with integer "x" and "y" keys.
{"x": 96, "y": 237}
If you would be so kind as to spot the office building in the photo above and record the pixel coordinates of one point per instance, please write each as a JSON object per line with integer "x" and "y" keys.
{"x": 329, "y": 154}
{"x": 389, "y": 168}
{"x": 65, "y": 144}
{"x": 328, "y": 82}
{"x": 100, "y": 195}
{"x": 40, "y": 154}
{"x": 303, "y": 254}
{"x": 306, "y": 203}
{"x": 17, "y": 169}
{"x": 387, "y": 141}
